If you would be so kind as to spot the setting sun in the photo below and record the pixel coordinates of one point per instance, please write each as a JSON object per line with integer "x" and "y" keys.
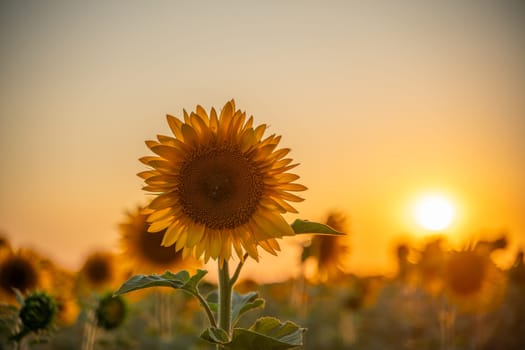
{"x": 434, "y": 212}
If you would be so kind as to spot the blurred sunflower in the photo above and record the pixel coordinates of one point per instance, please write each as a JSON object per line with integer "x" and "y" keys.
{"x": 472, "y": 281}
{"x": 20, "y": 270}
{"x": 219, "y": 185}
{"x": 329, "y": 252}
{"x": 99, "y": 272}
{"x": 111, "y": 311}
{"x": 143, "y": 250}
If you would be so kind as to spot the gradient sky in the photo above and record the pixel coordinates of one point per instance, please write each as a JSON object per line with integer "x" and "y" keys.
{"x": 379, "y": 101}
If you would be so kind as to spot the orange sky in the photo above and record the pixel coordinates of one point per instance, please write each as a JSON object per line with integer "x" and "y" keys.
{"x": 379, "y": 102}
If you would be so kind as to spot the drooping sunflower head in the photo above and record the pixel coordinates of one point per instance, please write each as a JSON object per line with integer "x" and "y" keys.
{"x": 219, "y": 184}
{"x": 143, "y": 250}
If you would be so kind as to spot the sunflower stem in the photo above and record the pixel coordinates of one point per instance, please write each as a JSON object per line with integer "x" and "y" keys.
{"x": 225, "y": 297}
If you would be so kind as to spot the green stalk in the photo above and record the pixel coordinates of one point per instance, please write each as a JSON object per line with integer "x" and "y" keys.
{"x": 225, "y": 297}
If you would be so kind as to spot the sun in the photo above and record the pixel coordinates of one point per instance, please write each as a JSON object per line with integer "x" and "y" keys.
{"x": 434, "y": 212}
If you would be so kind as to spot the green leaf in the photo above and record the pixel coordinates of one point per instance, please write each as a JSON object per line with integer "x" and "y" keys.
{"x": 242, "y": 303}
{"x": 215, "y": 335}
{"x": 267, "y": 333}
{"x": 304, "y": 226}
{"x": 212, "y": 300}
{"x": 179, "y": 280}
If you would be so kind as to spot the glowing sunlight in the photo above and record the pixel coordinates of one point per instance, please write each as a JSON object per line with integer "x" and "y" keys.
{"x": 434, "y": 212}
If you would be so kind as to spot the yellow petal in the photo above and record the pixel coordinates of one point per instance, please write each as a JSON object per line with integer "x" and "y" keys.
{"x": 247, "y": 140}
{"x": 181, "y": 241}
{"x": 259, "y": 132}
{"x": 172, "y": 234}
{"x": 159, "y": 225}
{"x": 160, "y": 215}
{"x": 186, "y": 117}
{"x": 201, "y": 112}
{"x": 273, "y": 225}
{"x": 292, "y": 187}
{"x": 288, "y": 196}
{"x": 214, "y": 121}
{"x": 215, "y": 246}
{"x": 190, "y": 136}
{"x": 163, "y": 201}
{"x": 147, "y": 159}
{"x": 195, "y": 234}
{"x": 175, "y": 124}
{"x": 287, "y": 177}
{"x": 249, "y": 124}
{"x": 266, "y": 246}
{"x": 166, "y": 152}
{"x": 166, "y": 140}
{"x": 147, "y": 174}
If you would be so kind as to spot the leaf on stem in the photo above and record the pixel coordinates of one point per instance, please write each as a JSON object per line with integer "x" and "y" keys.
{"x": 180, "y": 280}
{"x": 310, "y": 227}
{"x": 267, "y": 333}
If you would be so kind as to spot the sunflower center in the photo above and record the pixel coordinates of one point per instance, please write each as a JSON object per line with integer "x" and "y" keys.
{"x": 466, "y": 273}
{"x": 17, "y": 273}
{"x": 220, "y": 186}
{"x": 98, "y": 270}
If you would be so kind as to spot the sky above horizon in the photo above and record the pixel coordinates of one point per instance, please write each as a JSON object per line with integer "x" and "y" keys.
{"x": 380, "y": 102}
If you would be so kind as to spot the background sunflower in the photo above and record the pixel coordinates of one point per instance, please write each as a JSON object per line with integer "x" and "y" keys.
{"x": 142, "y": 250}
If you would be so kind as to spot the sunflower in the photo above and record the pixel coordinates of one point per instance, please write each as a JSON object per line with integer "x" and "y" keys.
{"x": 472, "y": 281}
{"x": 219, "y": 184}
{"x": 99, "y": 272}
{"x": 329, "y": 252}
{"x": 20, "y": 270}
{"x": 143, "y": 250}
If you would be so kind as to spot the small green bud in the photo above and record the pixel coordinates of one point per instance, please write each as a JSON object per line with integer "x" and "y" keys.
{"x": 38, "y": 311}
{"x": 111, "y": 312}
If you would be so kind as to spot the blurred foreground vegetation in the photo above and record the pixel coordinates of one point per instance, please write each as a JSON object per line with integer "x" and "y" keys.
{"x": 439, "y": 299}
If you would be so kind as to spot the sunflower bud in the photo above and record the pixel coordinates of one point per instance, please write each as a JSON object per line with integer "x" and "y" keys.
{"x": 38, "y": 311}
{"x": 111, "y": 312}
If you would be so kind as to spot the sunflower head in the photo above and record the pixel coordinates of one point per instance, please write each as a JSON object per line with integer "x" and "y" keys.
{"x": 99, "y": 272}
{"x": 18, "y": 271}
{"x": 465, "y": 272}
{"x": 144, "y": 251}
{"x": 38, "y": 311}
{"x": 219, "y": 184}
{"x": 472, "y": 280}
{"x": 111, "y": 312}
